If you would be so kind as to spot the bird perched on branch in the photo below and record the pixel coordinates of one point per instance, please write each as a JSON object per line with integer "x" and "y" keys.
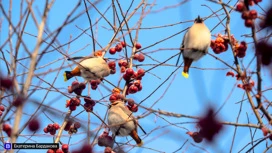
{"x": 122, "y": 122}
{"x": 90, "y": 68}
{"x": 195, "y": 44}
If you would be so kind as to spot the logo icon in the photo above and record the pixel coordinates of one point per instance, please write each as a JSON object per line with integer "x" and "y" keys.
{"x": 7, "y": 146}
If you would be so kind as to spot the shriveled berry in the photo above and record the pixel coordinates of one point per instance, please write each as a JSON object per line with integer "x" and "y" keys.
{"x": 77, "y": 125}
{"x": 230, "y": 73}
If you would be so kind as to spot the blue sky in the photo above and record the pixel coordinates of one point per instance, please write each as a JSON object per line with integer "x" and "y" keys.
{"x": 191, "y": 96}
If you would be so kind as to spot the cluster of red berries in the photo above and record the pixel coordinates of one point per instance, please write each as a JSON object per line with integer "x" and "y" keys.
{"x": 64, "y": 149}
{"x": 7, "y": 129}
{"x": 72, "y": 127}
{"x": 131, "y": 105}
{"x": 123, "y": 65}
{"x": 89, "y": 104}
{"x": 73, "y": 103}
{"x": 130, "y": 74}
{"x": 115, "y": 97}
{"x": 95, "y": 83}
{"x": 240, "y": 49}
{"x": 117, "y": 48}
{"x": 105, "y": 140}
{"x": 51, "y": 128}
{"x": 140, "y": 57}
{"x": 76, "y": 87}
{"x": 55, "y": 151}
{"x": 134, "y": 87}
{"x": 112, "y": 67}
{"x": 248, "y": 16}
{"x": 2, "y": 108}
{"x": 220, "y": 44}
{"x": 6, "y": 82}
{"x": 34, "y": 124}
{"x": 248, "y": 86}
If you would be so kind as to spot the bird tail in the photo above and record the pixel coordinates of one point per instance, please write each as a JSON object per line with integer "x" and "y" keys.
{"x": 187, "y": 64}
{"x": 67, "y": 75}
{"x": 135, "y": 136}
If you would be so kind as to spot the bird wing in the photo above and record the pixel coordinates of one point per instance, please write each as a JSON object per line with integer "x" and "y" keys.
{"x": 181, "y": 47}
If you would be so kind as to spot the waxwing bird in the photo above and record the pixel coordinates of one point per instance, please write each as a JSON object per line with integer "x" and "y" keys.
{"x": 121, "y": 123}
{"x": 195, "y": 44}
{"x": 90, "y": 68}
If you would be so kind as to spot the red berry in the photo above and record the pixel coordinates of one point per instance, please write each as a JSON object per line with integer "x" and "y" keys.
{"x": 240, "y": 7}
{"x": 245, "y": 15}
{"x": 113, "y": 98}
{"x": 82, "y": 85}
{"x": 2, "y": 108}
{"x": 253, "y": 14}
{"x": 129, "y": 72}
{"x": 59, "y": 151}
{"x": 124, "y": 63}
{"x": 133, "y": 89}
{"x": 136, "y": 56}
{"x": 138, "y": 46}
{"x": 240, "y": 86}
{"x": 112, "y": 65}
{"x": 249, "y": 23}
{"x": 75, "y": 84}
{"x": 93, "y": 83}
{"x": 126, "y": 77}
{"x": 78, "y": 91}
{"x": 77, "y": 125}
{"x": 118, "y": 47}
{"x": 123, "y": 44}
{"x": 50, "y": 151}
{"x": 252, "y": 83}
{"x": 88, "y": 107}
{"x": 53, "y": 132}
{"x": 6, "y": 127}
{"x": 50, "y": 127}
{"x": 197, "y": 137}
{"x": 112, "y": 51}
{"x": 230, "y": 73}
{"x": 141, "y": 57}
{"x": 265, "y": 131}
{"x": 17, "y": 102}
{"x": 65, "y": 147}
{"x": 134, "y": 108}
{"x": 108, "y": 150}
{"x": 70, "y": 89}
{"x": 56, "y": 126}
{"x": 113, "y": 71}
{"x": 72, "y": 107}
{"x": 45, "y": 130}
{"x": 140, "y": 72}
{"x": 130, "y": 102}
{"x": 123, "y": 69}
{"x": 34, "y": 125}
{"x": 6, "y": 82}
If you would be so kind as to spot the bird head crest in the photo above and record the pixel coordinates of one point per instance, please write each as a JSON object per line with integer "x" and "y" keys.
{"x": 198, "y": 20}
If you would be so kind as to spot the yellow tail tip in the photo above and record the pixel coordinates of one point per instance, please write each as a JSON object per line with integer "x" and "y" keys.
{"x": 140, "y": 144}
{"x": 186, "y": 75}
{"x": 65, "y": 77}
